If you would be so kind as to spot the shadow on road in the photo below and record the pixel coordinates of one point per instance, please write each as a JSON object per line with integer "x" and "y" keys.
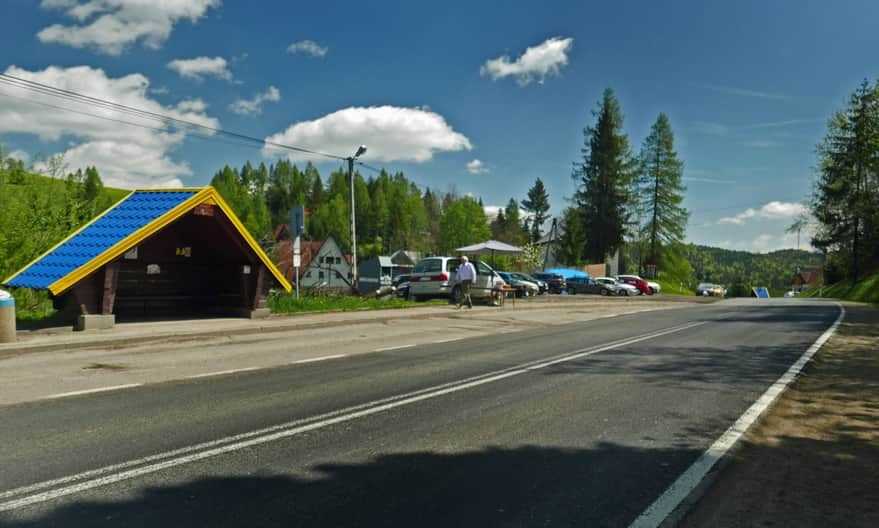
{"x": 529, "y": 486}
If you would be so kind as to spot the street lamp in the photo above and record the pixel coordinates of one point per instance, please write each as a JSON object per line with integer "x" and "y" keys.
{"x": 361, "y": 150}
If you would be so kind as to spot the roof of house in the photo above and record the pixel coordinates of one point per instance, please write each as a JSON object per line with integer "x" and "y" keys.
{"x": 136, "y": 217}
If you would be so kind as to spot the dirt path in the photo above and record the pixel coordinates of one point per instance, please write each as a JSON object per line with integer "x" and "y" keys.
{"x": 814, "y": 459}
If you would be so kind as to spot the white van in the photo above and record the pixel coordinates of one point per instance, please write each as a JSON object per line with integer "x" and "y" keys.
{"x": 435, "y": 277}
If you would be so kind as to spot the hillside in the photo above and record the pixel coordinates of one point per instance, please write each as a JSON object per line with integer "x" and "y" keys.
{"x": 774, "y": 270}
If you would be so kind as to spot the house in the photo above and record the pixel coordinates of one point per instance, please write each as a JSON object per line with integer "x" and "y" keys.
{"x": 375, "y": 273}
{"x": 284, "y": 259}
{"x": 806, "y": 278}
{"x": 156, "y": 253}
{"x": 404, "y": 260}
{"x": 328, "y": 268}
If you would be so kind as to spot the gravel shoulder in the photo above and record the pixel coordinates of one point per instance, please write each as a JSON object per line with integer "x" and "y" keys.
{"x": 813, "y": 459}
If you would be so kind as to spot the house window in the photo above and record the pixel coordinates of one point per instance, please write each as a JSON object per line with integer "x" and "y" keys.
{"x": 308, "y": 274}
{"x": 338, "y": 260}
{"x": 320, "y": 274}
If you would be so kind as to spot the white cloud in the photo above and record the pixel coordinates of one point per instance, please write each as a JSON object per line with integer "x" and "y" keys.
{"x": 545, "y": 59}
{"x": 110, "y": 26}
{"x": 201, "y": 67}
{"x": 771, "y": 211}
{"x": 491, "y": 211}
{"x": 476, "y": 167}
{"x": 126, "y": 156}
{"x": 307, "y": 47}
{"x": 254, "y": 106}
{"x": 391, "y": 133}
{"x": 761, "y": 243}
{"x": 19, "y": 155}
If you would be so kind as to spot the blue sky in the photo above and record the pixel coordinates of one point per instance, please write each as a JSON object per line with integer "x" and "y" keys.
{"x": 748, "y": 87}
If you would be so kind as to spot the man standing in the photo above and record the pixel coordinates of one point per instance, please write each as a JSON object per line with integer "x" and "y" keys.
{"x": 465, "y": 276}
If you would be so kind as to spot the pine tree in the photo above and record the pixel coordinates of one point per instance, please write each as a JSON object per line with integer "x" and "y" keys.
{"x": 845, "y": 202}
{"x": 661, "y": 190}
{"x": 604, "y": 178}
{"x": 537, "y": 204}
{"x": 573, "y": 239}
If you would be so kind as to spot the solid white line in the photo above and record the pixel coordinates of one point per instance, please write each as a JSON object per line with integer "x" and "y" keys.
{"x": 447, "y": 340}
{"x": 393, "y": 348}
{"x": 92, "y": 391}
{"x": 221, "y": 373}
{"x": 681, "y": 488}
{"x": 120, "y": 472}
{"x": 322, "y": 358}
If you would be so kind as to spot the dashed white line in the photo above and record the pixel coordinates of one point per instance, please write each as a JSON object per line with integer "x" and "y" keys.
{"x": 322, "y": 358}
{"x": 111, "y": 474}
{"x": 393, "y": 348}
{"x": 221, "y": 372}
{"x": 92, "y": 391}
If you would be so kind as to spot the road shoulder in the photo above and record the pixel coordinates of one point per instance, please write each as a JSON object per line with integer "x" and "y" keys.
{"x": 812, "y": 460}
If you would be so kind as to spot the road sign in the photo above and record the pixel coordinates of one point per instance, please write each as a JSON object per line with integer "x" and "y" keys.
{"x": 297, "y": 261}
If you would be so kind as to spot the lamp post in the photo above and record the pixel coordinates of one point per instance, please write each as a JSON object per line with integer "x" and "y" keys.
{"x": 361, "y": 150}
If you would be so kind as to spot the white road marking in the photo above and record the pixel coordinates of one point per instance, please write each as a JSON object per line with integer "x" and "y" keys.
{"x": 447, "y": 340}
{"x": 151, "y": 464}
{"x": 221, "y": 372}
{"x": 322, "y": 358}
{"x": 681, "y": 488}
{"x": 92, "y": 391}
{"x": 393, "y": 348}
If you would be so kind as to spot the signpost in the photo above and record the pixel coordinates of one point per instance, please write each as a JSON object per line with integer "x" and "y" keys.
{"x": 297, "y": 261}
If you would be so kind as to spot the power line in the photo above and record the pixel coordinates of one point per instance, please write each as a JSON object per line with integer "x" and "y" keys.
{"x": 70, "y": 95}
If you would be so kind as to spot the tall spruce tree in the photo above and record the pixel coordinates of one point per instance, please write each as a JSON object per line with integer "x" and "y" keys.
{"x": 660, "y": 190}
{"x": 604, "y": 179}
{"x": 537, "y": 203}
{"x": 845, "y": 200}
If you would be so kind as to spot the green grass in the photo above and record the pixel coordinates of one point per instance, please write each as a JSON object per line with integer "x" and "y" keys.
{"x": 866, "y": 291}
{"x": 288, "y": 303}
{"x": 673, "y": 287}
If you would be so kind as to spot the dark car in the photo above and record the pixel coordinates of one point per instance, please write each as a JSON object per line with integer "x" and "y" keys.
{"x": 587, "y": 285}
{"x": 555, "y": 282}
{"x": 401, "y": 283}
{"x": 541, "y": 284}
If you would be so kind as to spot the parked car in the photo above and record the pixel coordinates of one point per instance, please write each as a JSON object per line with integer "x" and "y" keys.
{"x": 652, "y": 287}
{"x": 555, "y": 282}
{"x": 401, "y": 285}
{"x": 523, "y": 287}
{"x": 635, "y": 281}
{"x": 708, "y": 289}
{"x": 435, "y": 277}
{"x": 621, "y": 288}
{"x": 588, "y": 285}
{"x": 542, "y": 286}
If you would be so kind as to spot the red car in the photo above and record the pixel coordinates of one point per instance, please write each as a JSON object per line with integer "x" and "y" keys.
{"x": 637, "y": 282}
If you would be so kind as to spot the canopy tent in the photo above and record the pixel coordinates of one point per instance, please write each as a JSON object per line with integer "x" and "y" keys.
{"x": 491, "y": 246}
{"x": 568, "y": 273}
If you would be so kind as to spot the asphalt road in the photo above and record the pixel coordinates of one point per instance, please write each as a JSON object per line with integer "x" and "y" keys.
{"x": 577, "y": 425}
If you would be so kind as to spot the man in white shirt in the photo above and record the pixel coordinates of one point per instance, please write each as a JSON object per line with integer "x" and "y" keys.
{"x": 465, "y": 275}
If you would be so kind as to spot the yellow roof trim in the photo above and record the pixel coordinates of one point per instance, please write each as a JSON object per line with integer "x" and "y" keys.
{"x": 68, "y": 237}
{"x": 202, "y": 195}
{"x": 249, "y": 239}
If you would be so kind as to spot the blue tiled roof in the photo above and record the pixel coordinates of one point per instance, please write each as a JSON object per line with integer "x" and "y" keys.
{"x": 130, "y": 215}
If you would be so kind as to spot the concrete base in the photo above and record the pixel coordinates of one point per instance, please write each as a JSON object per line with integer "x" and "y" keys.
{"x": 7, "y": 322}
{"x": 259, "y": 313}
{"x": 94, "y": 322}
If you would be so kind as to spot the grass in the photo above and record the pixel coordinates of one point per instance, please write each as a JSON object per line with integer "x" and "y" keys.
{"x": 673, "y": 287}
{"x": 866, "y": 291}
{"x": 288, "y": 303}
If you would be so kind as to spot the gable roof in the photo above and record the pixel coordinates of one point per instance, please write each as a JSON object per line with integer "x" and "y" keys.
{"x": 136, "y": 217}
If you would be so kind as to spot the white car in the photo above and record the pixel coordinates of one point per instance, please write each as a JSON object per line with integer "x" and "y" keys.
{"x": 621, "y": 287}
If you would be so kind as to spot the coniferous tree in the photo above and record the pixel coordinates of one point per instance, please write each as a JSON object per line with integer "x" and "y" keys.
{"x": 661, "y": 190}
{"x": 845, "y": 201}
{"x": 573, "y": 239}
{"x": 537, "y": 203}
{"x": 604, "y": 179}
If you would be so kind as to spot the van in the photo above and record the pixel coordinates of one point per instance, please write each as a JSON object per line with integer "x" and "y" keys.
{"x": 435, "y": 277}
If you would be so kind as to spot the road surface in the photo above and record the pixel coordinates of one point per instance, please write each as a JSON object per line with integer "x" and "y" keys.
{"x": 573, "y": 425}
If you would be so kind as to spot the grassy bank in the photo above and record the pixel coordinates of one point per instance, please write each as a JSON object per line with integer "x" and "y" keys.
{"x": 866, "y": 290}
{"x": 288, "y": 303}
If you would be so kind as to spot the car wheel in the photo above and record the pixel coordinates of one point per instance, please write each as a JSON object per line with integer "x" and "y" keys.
{"x": 650, "y": 291}
{"x": 603, "y": 292}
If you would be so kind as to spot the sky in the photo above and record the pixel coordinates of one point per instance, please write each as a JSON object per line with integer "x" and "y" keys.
{"x": 479, "y": 98}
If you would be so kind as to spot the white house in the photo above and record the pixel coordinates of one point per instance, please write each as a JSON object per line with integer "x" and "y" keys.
{"x": 329, "y": 268}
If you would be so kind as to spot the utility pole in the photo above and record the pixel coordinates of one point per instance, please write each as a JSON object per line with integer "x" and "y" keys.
{"x": 360, "y": 151}
{"x": 549, "y": 243}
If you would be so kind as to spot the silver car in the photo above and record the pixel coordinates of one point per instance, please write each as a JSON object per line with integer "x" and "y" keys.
{"x": 435, "y": 277}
